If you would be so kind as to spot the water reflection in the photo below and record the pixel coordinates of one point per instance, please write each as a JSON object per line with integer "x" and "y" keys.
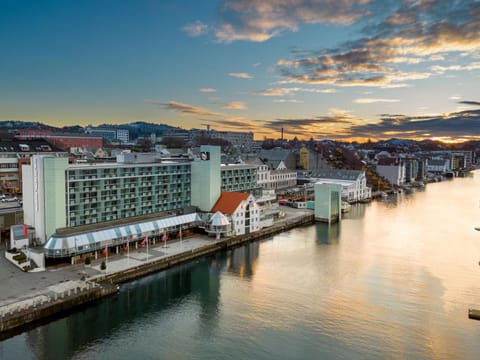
{"x": 327, "y": 233}
{"x": 136, "y": 302}
{"x": 394, "y": 279}
{"x": 242, "y": 261}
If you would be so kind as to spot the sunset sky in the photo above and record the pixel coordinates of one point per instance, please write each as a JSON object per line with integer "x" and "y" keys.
{"x": 335, "y": 69}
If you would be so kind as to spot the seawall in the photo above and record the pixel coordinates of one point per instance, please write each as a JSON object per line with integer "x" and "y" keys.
{"x": 19, "y": 318}
{"x": 184, "y": 257}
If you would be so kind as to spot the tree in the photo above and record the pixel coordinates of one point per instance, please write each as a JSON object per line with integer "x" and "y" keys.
{"x": 173, "y": 142}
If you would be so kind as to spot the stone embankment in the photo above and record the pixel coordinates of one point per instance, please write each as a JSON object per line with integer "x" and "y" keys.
{"x": 17, "y": 316}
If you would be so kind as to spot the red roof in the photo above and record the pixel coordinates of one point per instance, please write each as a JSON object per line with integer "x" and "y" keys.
{"x": 229, "y": 202}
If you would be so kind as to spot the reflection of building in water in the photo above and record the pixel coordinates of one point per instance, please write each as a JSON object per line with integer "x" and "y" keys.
{"x": 327, "y": 233}
{"x": 357, "y": 211}
{"x": 243, "y": 260}
{"x": 148, "y": 298}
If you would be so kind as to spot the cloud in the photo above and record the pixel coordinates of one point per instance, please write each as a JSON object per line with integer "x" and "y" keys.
{"x": 318, "y": 126}
{"x": 259, "y": 20}
{"x": 294, "y": 101}
{"x": 184, "y": 108}
{"x": 241, "y": 75}
{"x": 235, "y": 105}
{"x": 284, "y": 91}
{"x": 207, "y": 90}
{"x": 239, "y": 124}
{"x": 473, "y": 103}
{"x": 195, "y": 29}
{"x": 373, "y": 100}
{"x": 412, "y": 33}
{"x": 453, "y": 125}
{"x": 442, "y": 69}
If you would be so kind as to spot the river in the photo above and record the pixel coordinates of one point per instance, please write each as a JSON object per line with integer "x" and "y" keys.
{"x": 394, "y": 280}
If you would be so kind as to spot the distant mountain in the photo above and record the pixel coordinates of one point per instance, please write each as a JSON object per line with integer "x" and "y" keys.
{"x": 136, "y": 129}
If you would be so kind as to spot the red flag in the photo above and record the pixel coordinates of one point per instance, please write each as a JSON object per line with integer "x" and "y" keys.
{"x": 105, "y": 251}
{"x": 25, "y": 230}
{"x": 126, "y": 246}
{"x": 144, "y": 241}
{"x": 164, "y": 237}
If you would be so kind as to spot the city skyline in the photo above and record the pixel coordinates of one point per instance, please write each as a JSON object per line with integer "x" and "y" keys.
{"x": 346, "y": 70}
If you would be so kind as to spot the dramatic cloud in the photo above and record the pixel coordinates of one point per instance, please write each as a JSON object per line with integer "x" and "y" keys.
{"x": 260, "y": 20}
{"x": 184, "y": 108}
{"x": 207, "y": 90}
{"x": 319, "y": 126}
{"x": 235, "y": 105}
{"x": 413, "y": 33}
{"x": 195, "y": 29}
{"x": 460, "y": 125}
{"x": 372, "y": 100}
{"x": 239, "y": 124}
{"x": 241, "y": 75}
{"x": 473, "y": 103}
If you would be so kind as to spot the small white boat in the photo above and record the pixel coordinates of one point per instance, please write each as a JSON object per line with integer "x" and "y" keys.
{"x": 345, "y": 207}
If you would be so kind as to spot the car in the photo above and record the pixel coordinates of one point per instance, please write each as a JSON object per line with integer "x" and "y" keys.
{"x": 9, "y": 199}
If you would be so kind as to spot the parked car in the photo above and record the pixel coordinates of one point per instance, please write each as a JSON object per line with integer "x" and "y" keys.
{"x": 9, "y": 199}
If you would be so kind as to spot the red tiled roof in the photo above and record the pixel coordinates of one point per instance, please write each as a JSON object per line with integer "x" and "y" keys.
{"x": 229, "y": 202}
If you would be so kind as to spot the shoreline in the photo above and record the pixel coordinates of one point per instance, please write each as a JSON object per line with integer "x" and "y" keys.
{"x": 18, "y": 316}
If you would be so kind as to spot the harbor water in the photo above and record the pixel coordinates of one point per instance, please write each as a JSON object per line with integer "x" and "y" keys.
{"x": 393, "y": 280}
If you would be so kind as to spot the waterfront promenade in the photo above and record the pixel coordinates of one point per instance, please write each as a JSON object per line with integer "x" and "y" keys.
{"x": 23, "y": 292}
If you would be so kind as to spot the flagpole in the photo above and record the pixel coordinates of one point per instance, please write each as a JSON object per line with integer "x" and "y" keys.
{"x": 128, "y": 253}
{"x": 147, "y": 247}
{"x": 106, "y": 259}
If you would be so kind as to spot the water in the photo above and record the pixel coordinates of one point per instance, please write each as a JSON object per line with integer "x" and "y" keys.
{"x": 394, "y": 280}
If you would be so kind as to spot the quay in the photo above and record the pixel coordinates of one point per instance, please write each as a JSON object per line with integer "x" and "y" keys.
{"x": 63, "y": 290}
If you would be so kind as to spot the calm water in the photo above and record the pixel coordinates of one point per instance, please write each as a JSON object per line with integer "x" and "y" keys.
{"x": 393, "y": 281}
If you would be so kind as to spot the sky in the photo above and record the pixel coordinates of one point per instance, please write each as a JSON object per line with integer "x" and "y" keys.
{"x": 321, "y": 69}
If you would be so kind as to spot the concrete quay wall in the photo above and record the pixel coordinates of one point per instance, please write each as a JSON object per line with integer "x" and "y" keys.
{"x": 17, "y": 318}
{"x": 187, "y": 256}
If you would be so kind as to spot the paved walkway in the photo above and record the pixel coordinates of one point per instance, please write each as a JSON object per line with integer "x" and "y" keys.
{"x": 20, "y": 289}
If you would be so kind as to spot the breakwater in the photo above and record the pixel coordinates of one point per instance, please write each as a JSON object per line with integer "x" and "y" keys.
{"x": 20, "y": 316}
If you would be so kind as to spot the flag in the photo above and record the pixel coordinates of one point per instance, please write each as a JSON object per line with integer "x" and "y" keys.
{"x": 105, "y": 251}
{"x": 25, "y": 230}
{"x": 126, "y": 246}
{"x": 164, "y": 237}
{"x": 144, "y": 241}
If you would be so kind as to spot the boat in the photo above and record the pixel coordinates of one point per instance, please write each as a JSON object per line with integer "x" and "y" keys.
{"x": 345, "y": 207}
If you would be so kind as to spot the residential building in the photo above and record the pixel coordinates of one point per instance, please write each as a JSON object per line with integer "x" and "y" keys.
{"x": 64, "y": 141}
{"x": 439, "y": 165}
{"x": 242, "y": 210}
{"x": 278, "y": 158}
{"x": 353, "y": 183}
{"x": 392, "y": 169}
{"x": 14, "y": 153}
{"x": 276, "y": 179}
